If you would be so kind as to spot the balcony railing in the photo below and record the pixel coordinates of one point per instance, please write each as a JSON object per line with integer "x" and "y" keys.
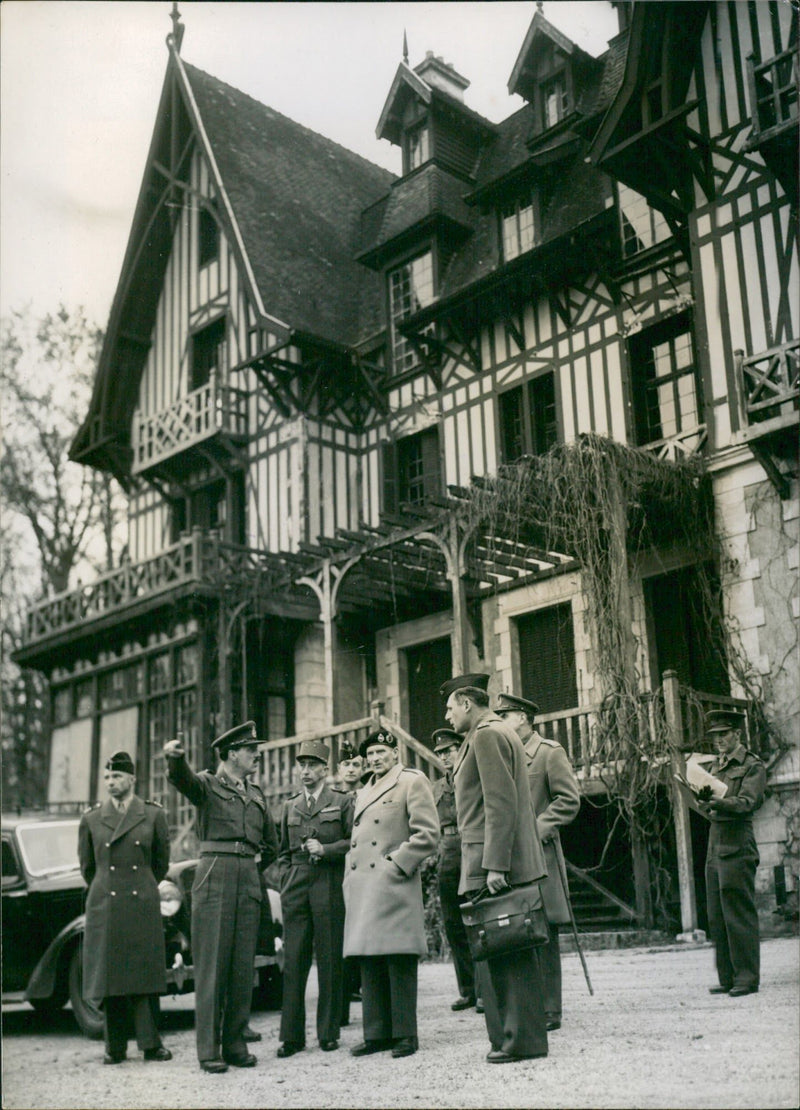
{"x": 209, "y": 411}
{"x": 769, "y": 388}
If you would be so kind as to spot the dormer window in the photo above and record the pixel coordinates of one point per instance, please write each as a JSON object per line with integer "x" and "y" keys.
{"x": 517, "y": 227}
{"x": 410, "y": 289}
{"x": 555, "y": 100}
{"x": 418, "y": 148}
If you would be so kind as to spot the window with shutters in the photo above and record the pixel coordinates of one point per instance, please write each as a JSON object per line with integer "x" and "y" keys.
{"x": 666, "y": 392}
{"x": 411, "y": 470}
{"x": 548, "y": 673}
{"x": 529, "y": 418}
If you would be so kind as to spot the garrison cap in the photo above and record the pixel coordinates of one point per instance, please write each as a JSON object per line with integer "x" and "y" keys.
{"x": 465, "y": 683}
{"x": 242, "y": 736}
{"x": 383, "y": 737}
{"x": 348, "y": 751}
{"x": 445, "y": 738}
{"x": 511, "y": 701}
{"x": 120, "y": 761}
{"x": 313, "y": 749}
{"x": 723, "y": 720}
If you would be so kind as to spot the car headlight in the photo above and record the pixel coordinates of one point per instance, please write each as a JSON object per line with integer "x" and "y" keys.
{"x": 171, "y": 898}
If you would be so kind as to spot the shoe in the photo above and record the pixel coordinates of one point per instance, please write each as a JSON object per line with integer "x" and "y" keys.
{"x": 328, "y": 1046}
{"x": 289, "y": 1048}
{"x": 718, "y": 990}
{"x": 215, "y": 1066}
{"x": 553, "y": 1023}
{"x": 366, "y": 1048}
{"x": 250, "y": 1036}
{"x": 479, "y": 1006}
{"x": 463, "y": 1003}
{"x": 246, "y": 1061}
{"x": 160, "y": 1053}
{"x": 404, "y": 1046}
{"x": 113, "y": 1058}
{"x": 737, "y": 992}
{"x": 497, "y": 1056}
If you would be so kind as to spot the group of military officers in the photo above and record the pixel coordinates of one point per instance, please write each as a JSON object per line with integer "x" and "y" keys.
{"x": 349, "y": 863}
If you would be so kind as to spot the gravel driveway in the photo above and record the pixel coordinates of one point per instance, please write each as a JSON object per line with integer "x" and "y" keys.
{"x": 651, "y": 1036}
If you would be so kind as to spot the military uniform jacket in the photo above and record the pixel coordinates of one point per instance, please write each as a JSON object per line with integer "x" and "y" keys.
{"x": 731, "y": 818}
{"x": 556, "y": 800}
{"x": 329, "y": 820}
{"x": 495, "y": 813}
{"x": 123, "y": 858}
{"x": 449, "y": 853}
{"x": 395, "y": 827}
{"x": 225, "y": 811}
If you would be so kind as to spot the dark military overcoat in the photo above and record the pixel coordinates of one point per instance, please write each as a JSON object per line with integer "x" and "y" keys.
{"x": 123, "y": 858}
{"x": 556, "y": 800}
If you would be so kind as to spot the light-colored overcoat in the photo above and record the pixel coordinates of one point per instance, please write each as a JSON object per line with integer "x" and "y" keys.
{"x": 493, "y": 803}
{"x": 395, "y": 827}
{"x": 123, "y": 858}
{"x": 556, "y": 799}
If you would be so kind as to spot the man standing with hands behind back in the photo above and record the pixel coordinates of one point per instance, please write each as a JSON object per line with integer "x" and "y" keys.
{"x": 556, "y": 801}
{"x": 499, "y": 848}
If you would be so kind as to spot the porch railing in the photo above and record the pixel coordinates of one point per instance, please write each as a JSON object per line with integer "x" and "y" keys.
{"x": 769, "y": 387}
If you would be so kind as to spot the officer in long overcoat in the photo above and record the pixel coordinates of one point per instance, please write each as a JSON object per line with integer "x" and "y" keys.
{"x": 732, "y": 856}
{"x": 448, "y": 868}
{"x": 123, "y": 849}
{"x": 235, "y": 826}
{"x": 500, "y": 847}
{"x": 556, "y": 800}
{"x": 315, "y": 830}
{"x": 350, "y": 769}
{"x": 395, "y": 828}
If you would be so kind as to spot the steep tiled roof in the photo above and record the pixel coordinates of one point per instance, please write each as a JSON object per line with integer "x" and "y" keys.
{"x": 430, "y": 191}
{"x": 297, "y": 199}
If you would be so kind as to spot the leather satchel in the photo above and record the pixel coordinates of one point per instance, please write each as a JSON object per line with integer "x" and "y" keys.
{"x": 510, "y": 921}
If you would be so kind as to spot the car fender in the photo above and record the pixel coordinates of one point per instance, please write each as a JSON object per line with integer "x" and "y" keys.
{"x": 42, "y": 982}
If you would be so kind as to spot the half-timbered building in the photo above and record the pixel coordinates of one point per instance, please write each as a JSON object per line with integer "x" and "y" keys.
{"x": 311, "y": 364}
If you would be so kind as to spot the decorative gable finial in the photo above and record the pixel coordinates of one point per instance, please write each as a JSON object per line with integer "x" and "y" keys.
{"x": 176, "y": 37}
{"x": 540, "y": 7}
{"x": 405, "y": 47}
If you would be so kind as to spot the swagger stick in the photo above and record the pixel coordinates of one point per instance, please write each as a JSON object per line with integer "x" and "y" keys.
{"x": 563, "y": 877}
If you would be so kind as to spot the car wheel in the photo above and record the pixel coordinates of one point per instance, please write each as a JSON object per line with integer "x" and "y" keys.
{"x": 268, "y": 994}
{"x": 88, "y": 1015}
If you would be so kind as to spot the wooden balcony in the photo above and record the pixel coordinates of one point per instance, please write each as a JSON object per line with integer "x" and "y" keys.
{"x": 769, "y": 408}
{"x": 211, "y": 418}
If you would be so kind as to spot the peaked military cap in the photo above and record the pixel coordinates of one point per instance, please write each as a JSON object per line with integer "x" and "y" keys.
{"x": 723, "y": 720}
{"x": 242, "y": 736}
{"x": 511, "y": 701}
{"x": 348, "y": 751}
{"x": 120, "y": 761}
{"x": 383, "y": 737}
{"x": 313, "y": 749}
{"x": 445, "y": 738}
{"x": 465, "y": 682}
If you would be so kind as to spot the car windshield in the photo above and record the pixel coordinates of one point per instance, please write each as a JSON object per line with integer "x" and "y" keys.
{"x": 49, "y": 847}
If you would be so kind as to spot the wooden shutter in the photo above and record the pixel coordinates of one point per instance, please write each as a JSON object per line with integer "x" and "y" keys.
{"x": 547, "y": 658}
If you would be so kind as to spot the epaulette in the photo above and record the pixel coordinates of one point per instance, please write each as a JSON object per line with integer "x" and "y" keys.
{"x": 550, "y": 743}
{"x": 412, "y": 771}
{"x": 95, "y": 806}
{"x": 149, "y": 802}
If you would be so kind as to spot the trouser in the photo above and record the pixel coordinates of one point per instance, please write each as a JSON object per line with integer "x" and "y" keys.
{"x": 226, "y": 907}
{"x": 389, "y": 996}
{"x": 511, "y": 989}
{"x": 455, "y": 932}
{"x": 549, "y": 956}
{"x": 123, "y": 1010}
{"x": 313, "y": 917}
{"x": 733, "y": 918}
{"x": 351, "y": 984}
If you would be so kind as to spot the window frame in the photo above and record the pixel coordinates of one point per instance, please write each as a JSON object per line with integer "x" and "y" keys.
{"x": 641, "y": 349}
{"x": 529, "y": 431}
{"x": 514, "y": 208}
{"x": 561, "y": 74}
{"x": 411, "y": 361}
{"x": 203, "y": 369}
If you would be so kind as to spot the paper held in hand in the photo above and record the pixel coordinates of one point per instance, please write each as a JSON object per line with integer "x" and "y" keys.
{"x": 697, "y": 777}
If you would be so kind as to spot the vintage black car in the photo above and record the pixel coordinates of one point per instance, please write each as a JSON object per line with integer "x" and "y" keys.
{"x": 43, "y": 921}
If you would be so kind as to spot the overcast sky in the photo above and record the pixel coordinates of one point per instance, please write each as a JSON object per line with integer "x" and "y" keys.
{"x": 80, "y": 84}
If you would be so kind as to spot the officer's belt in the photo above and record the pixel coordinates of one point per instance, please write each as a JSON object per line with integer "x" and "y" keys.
{"x": 449, "y": 830}
{"x": 227, "y": 848}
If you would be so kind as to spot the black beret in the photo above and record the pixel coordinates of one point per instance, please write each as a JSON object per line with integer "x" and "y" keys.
{"x": 348, "y": 751}
{"x": 511, "y": 701}
{"x": 120, "y": 761}
{"x": 723, "y": 720}
{"x": 464, "y": 682}
{"x": 242, "y": 736}
{"x": 445, "y": 738}
{"x": 383, "y": 737}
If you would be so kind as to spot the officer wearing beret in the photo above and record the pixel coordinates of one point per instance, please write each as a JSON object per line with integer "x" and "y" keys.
{"x": 448, "y": 867}
{"x": 395, "y": 828}
{"x": 123, "y": 849}
{"x": 315, "y": 830}
{"x": 500, "y": 847}
{"x": 235, "y": 826}
{"x": 556, "y": 801}
{"x": 732, "y": 856}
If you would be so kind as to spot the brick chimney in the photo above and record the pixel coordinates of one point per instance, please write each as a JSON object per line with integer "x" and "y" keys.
{"x": 441, "y": 75}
